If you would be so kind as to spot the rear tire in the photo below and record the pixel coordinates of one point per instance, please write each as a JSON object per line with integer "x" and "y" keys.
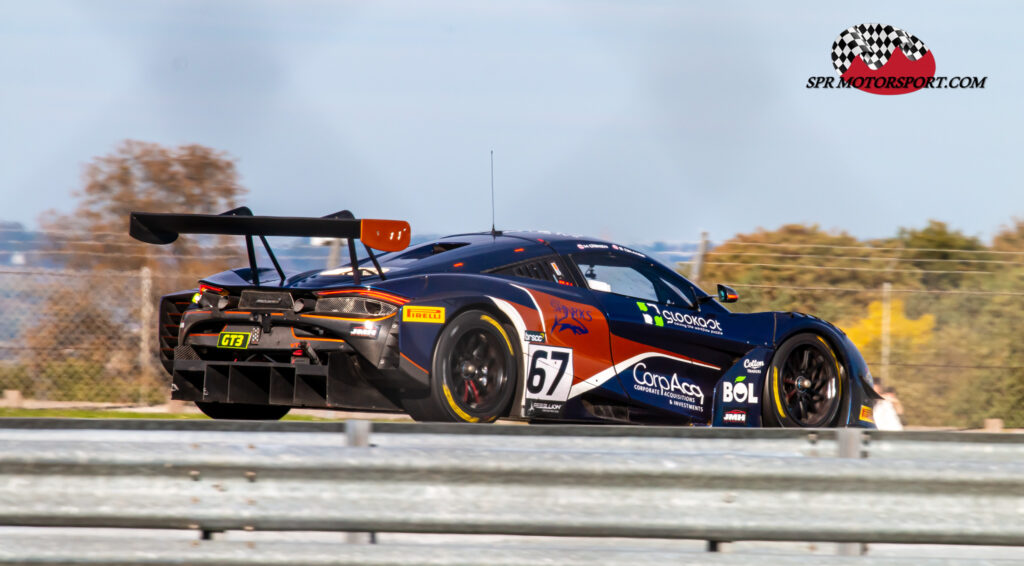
{"x": 242, "y": 411}
{"x": 804, "y": 387}
{"x": 473, "y": 374}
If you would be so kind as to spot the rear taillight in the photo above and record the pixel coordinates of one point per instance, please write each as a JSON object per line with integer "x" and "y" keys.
{"x": 209, "y": 296}
{"x": 361, "y": 303}
{"x": 204, "y": 288}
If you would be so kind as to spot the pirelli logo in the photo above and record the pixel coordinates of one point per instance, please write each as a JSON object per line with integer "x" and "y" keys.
{"x": 423, "y": 314}
{"x": 865, "y": 414}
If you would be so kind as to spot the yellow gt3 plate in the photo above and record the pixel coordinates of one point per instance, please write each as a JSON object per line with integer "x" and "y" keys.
{"x": 236, "y": 340}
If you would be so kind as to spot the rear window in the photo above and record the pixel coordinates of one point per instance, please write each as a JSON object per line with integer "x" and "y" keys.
{"x": 428, "y": 250}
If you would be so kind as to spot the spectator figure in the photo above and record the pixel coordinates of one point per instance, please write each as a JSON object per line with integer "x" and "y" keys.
{"x": 888, "y": 409}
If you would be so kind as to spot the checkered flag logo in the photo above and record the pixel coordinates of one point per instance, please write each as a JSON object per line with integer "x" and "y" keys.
{"x": 875, "y": 43}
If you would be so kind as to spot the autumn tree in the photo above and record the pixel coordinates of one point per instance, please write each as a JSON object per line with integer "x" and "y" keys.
{"x": 86, "y": 339}
{"x": 801, "y": 268}
{"x": 141, "y": 176}
{"x": 944, "y": 257}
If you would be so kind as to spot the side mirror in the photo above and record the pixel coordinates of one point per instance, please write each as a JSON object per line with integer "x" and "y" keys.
{"x": 727, "y": 294}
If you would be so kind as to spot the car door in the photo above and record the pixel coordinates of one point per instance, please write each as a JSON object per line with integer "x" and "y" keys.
{"x": 668, "y": 351}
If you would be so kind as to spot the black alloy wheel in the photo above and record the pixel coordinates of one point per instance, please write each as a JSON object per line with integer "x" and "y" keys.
{"x": 804, "y": 387}
{"x": 477, "y": 367}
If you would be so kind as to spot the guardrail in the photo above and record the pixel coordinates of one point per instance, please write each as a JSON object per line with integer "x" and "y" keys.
{"x": 713, "y": 485}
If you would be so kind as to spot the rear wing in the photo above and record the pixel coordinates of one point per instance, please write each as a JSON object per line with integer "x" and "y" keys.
{"x": 164, "y": 228}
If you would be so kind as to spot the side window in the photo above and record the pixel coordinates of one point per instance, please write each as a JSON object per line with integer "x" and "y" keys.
{"x": 633, "y": 277}
{"x": 619, "y": 279}
{"x": 672, "y": 291}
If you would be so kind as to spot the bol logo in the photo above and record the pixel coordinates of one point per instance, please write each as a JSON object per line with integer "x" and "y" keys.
{"x": 738, "y": 391}
{"x": 882, "y": 59}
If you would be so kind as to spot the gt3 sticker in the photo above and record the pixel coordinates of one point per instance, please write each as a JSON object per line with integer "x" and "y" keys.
{"x": 234, "y": 340}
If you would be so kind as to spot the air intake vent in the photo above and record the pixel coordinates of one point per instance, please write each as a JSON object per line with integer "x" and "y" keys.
{"x": 355, "y": 306}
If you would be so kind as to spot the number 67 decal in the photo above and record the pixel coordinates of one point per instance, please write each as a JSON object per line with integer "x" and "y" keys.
{"x": 550, "y": 375}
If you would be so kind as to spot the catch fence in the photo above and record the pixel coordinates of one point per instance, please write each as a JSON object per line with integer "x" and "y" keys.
{"x": 948, "y": 351}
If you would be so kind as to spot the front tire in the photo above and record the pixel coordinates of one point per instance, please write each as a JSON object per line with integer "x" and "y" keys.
{"x": 242, "y": 411}
{"x": 805, "y": 386}
{"x": 473, "y": 374}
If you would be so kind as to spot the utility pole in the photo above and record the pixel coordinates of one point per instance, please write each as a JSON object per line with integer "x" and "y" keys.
{"x": 147, "y": 325}
{"x": 333, "y": 253}
{"x": 886, "y": 330}
{"x": 697, "y": 263}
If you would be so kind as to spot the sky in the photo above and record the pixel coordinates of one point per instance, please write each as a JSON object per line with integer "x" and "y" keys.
{"x": 634, "y": 121}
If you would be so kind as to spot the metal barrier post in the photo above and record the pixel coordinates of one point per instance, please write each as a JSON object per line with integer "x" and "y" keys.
{"x": 850, "y": 441}
{"x": 357, "y": 434}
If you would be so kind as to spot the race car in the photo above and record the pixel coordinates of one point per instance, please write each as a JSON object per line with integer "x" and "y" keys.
{"x": 530, "y": 326}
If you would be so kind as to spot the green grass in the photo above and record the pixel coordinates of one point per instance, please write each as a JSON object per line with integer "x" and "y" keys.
{"x": 101, "y": 414}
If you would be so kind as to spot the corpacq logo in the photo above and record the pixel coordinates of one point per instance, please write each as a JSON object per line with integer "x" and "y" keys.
{"x": 882, "y": 59}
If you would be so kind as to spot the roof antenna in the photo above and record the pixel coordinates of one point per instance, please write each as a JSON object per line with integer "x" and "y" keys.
{"x": 493, "y": 231}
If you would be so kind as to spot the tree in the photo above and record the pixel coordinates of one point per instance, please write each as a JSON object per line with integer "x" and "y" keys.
{"x": 86, "y": 341}
{"x": 906, "y": 334}
{"x": 936, "y": 248}
{"x": 141, "y": 176}
{"x": 801, "y": 268}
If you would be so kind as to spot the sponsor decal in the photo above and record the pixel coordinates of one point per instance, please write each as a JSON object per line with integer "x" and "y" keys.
{"x": 365, "y": 331}
{"x": 753, "y": 366}
{"x": 627, "y": 250}
{"x": 681, "y": 392}
{"x": 234, "y": 340}
{"x": 735, "y": 416}
{"x": 866, "y": 414}
{"x": 533, "y": 336}
{"x": 654, "y": 319}
{"x": 554, "y": 267}
{"x": 570, "y": 318}
{"x": 738, "y": 391}
{"x": 541, "y": 407}
{"x": 654, "y": 314}
{"x": 255, "y": 334}
{"x": 884, "y": 59}
{"x": 423, "y": 314}
{"x": 592, "y": 246}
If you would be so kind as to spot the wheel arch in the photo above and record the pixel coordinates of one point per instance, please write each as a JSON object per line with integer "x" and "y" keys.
{"x": 492, "y": 306}
{"x": 845, "y": 352}
{"x": 414, "y": 339}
